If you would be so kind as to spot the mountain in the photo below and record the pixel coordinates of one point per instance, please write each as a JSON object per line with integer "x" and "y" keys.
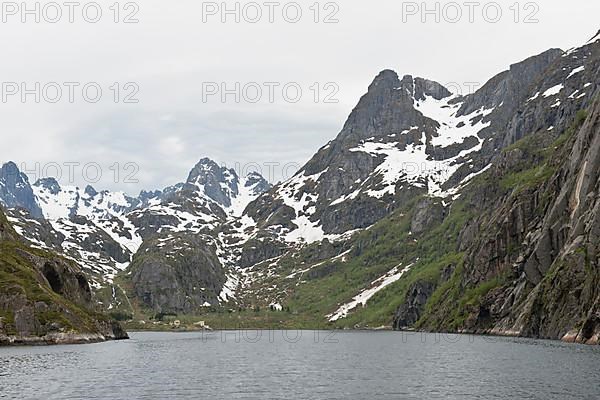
{"x": 429, "y": 210}
{"x": 104, "y": 230}
{"x": 418, "y": 209}
{"x": 15, "y": 191}
{"x": 45, "y": 298}
{"x": 184, "y": 263}
{"x": 406, "y": 137}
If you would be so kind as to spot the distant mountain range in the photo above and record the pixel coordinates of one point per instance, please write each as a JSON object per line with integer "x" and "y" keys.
{"x": 429, "y": 210}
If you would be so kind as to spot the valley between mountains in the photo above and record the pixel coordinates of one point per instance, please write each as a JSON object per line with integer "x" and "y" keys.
{"x": 429, "y": 211}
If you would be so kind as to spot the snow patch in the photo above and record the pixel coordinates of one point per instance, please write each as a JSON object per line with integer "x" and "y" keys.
{"x": 228, "y": 291}
{"x": 576, "y": 71}
{"x": 453, "y": 129}
{"x": 535, "y": 96}
{"x": 554, "y": 90}
{"x": 377, "y": 285}
{"x": 307, "y": 231}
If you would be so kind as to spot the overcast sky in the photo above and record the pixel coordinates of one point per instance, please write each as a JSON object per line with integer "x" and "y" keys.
{"x": 178, "y": 61}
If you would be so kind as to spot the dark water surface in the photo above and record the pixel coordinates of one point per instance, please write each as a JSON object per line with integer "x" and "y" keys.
{"x": 303, "y": 365}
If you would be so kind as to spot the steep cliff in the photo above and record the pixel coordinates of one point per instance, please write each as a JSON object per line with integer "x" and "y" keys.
{"x": 178, "y": 274}
{"x": 531, "y": 262}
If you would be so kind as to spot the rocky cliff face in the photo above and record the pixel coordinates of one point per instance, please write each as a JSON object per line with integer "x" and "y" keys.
{"x": 531, "y": 265}
{"x": 45, "y": 298}
{"x": 179, "y": 274}
{"x": 561, "y": 259}
{"x": 413, "y": 307}
{"x": 531, "y": 255}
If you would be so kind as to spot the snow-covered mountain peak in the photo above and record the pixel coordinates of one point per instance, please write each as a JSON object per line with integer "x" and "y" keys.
{"x": 224, "y": 186}
{"x": 58, "y": 202}
{"x": 204, "y": 169}
{"x": 49, "y": 184}
{"x": 15, "y": 190}
{"x": 217, "y": 183}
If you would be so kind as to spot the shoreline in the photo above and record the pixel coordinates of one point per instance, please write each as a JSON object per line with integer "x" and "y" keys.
{"x": 569, "y": 338}
{"x": 56, "y": 339}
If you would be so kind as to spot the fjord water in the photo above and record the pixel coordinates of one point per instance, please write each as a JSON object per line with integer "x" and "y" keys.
{"x": 303, "y": 365}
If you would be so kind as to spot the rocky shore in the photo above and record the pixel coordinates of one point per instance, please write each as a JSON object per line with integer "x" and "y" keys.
{"x": 57, "y": 339}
